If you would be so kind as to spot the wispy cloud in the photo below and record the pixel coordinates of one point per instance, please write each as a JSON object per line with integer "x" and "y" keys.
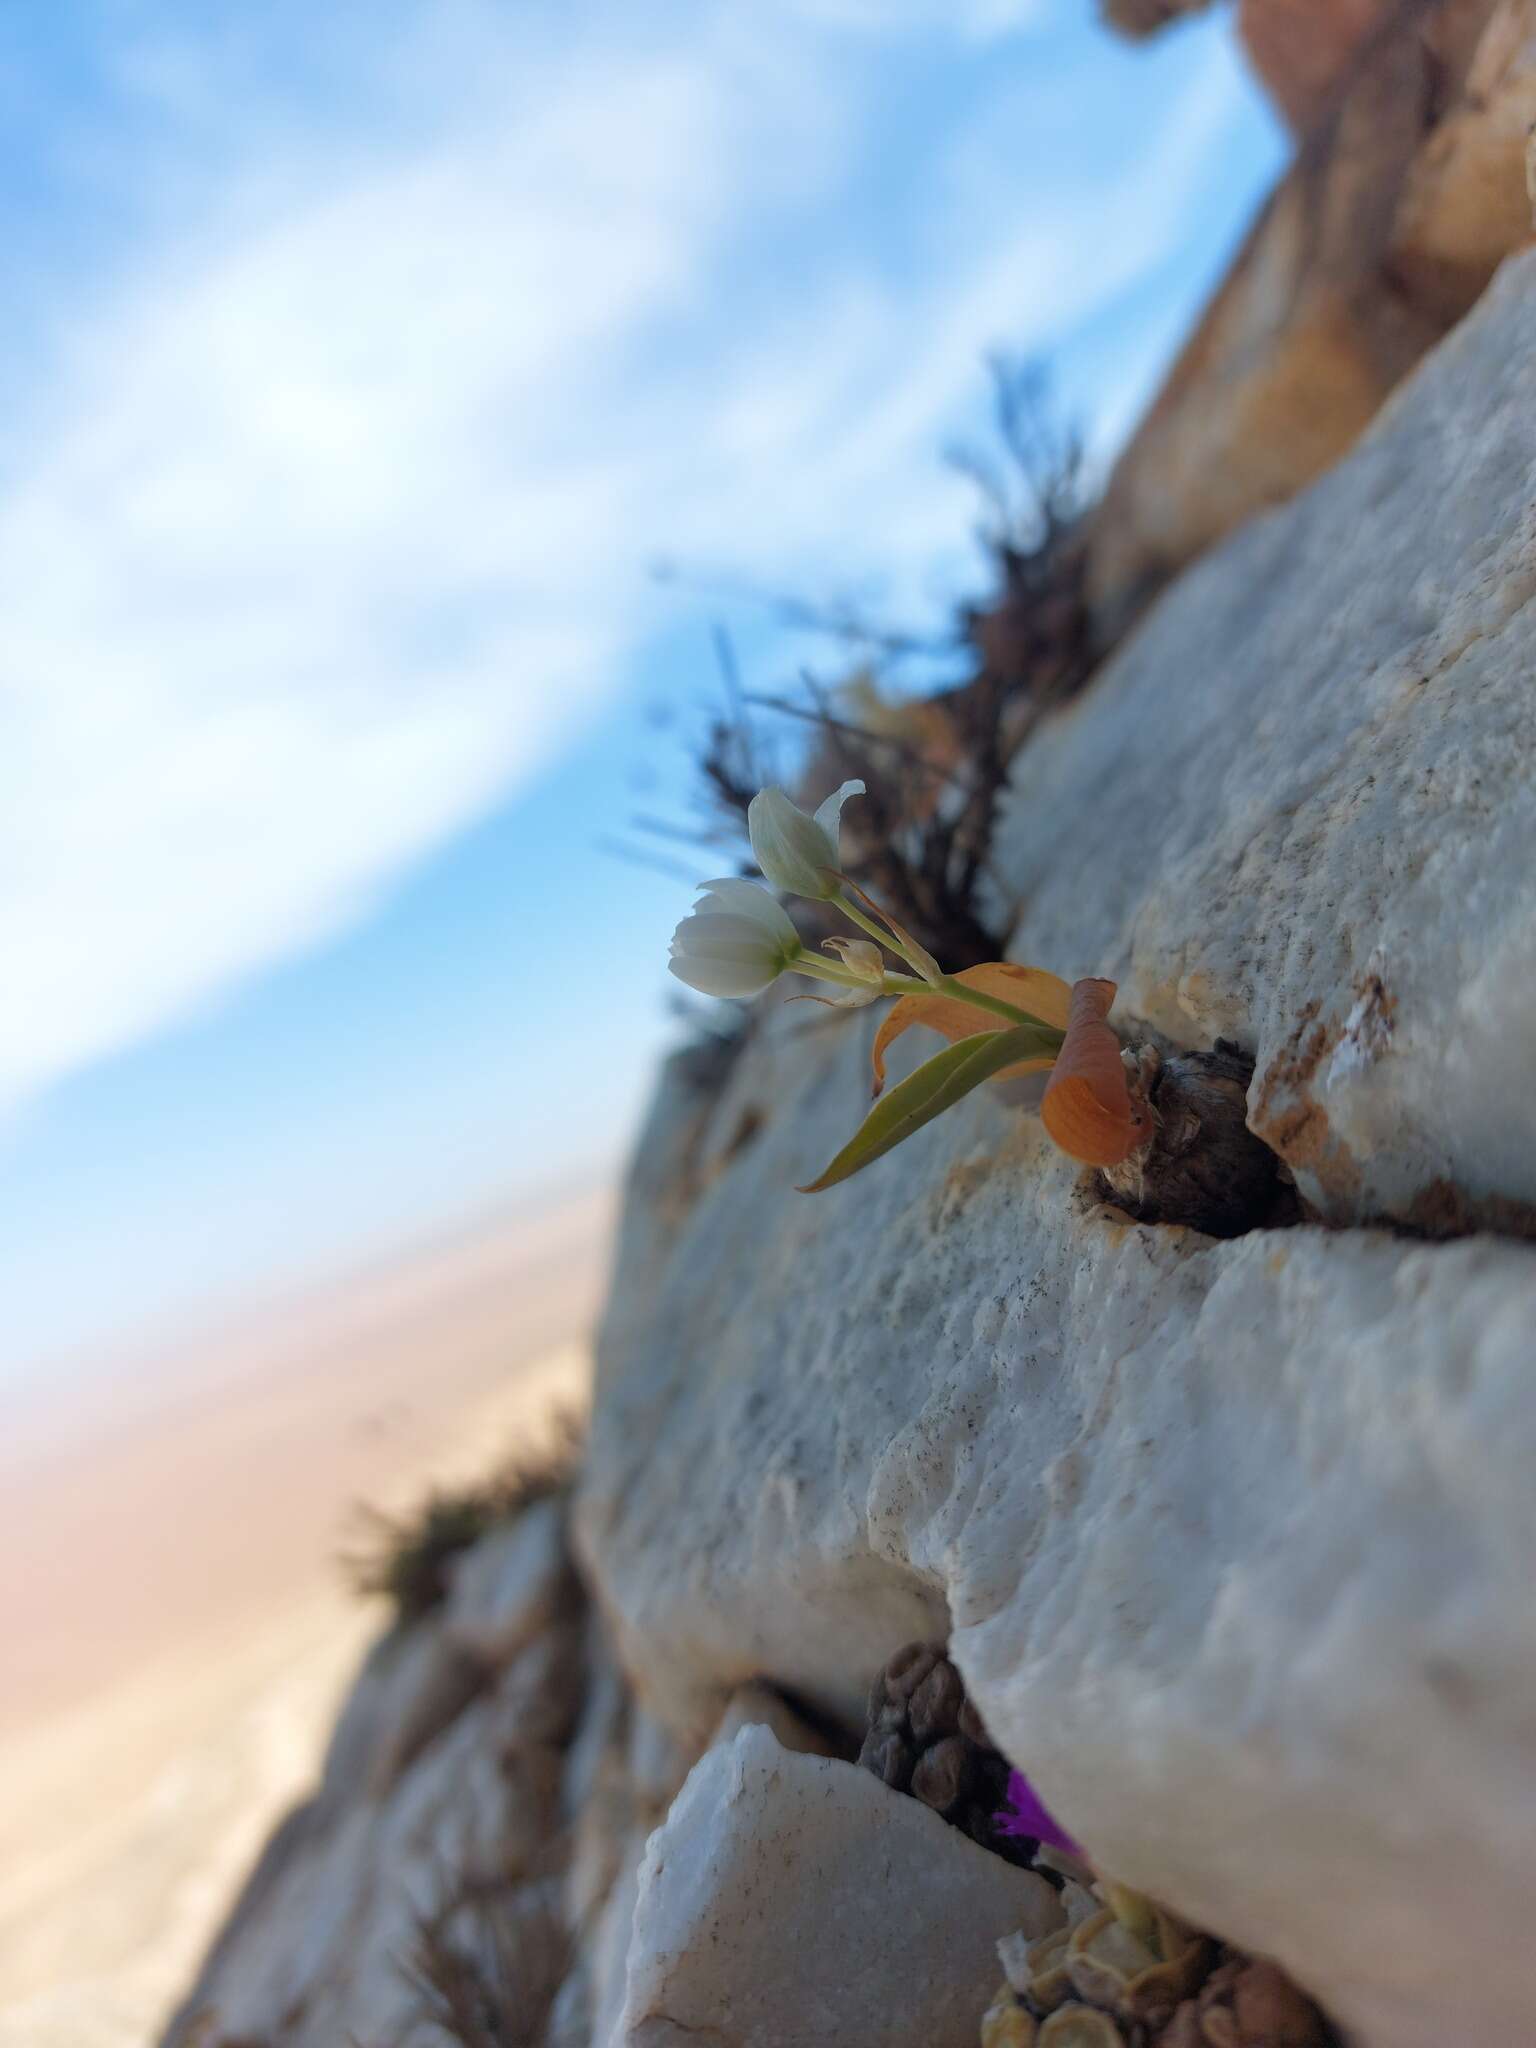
{"x": 335, "y": 517}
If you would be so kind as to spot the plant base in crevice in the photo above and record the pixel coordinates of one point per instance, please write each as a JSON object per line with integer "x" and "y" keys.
{"x": 1203, "y": 1167}
{"x": 1121, "y": 1971}
{"x": 926, "y": 1738}
{"x": 1103, "y": 1980}
{"x": 1242, "y": 2002}
{"x": 1248, "y": 2002}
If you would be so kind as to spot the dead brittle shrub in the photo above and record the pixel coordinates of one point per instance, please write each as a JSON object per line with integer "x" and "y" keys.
{"x": 928, "y": 722}
{"x": 404, "y": 1558}
{"x": 486, "y": 1969}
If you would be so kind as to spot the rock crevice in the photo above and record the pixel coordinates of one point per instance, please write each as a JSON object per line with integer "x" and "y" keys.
{"x": 1230, "y": 1539}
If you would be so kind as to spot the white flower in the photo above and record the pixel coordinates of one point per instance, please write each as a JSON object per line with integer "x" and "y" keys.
{"x": 734, "y": 942}
{"x": 796, "y": 852}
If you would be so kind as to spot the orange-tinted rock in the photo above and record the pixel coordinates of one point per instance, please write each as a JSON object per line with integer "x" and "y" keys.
{"x": 1304, "y": 50}
{"x": 1404, "y": 197}
{"x": 1464, "y": 203}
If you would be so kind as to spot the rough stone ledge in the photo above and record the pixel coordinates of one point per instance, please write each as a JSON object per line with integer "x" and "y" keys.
{"x": 1407, "y": 190}
{"x": 1206, "y": 1520}
{"x": 792, "y": 1901}
{"x": 1298, "y": 809}
{"x": 1234, "y": 1541}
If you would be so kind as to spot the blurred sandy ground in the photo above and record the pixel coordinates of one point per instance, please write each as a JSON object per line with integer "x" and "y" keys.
{"x": 178, "y": 1631}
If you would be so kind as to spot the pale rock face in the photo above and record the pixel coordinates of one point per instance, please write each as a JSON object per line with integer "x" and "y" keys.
{"x": 412, "y": 1685}
{"x": 795, "y": 1899}
{"x": 541, "y": 1689}
{"x": 1235, "y": 1540}
{"x": 1404, "y": 196}
{"x": 506, "y": 1588}
{"x": 607, "y": 1950}
{"x": 319, "y": 1948}
{"x": 1209, "y": 1521}
{"x": 756, "y": 1706}
{"x": 1306, "y": 795}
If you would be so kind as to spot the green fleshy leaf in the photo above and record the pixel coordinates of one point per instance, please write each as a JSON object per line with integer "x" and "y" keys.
{"x": 937, "y": 1084}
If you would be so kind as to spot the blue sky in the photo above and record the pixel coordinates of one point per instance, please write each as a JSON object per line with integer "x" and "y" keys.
{"x": 360, "y": 363}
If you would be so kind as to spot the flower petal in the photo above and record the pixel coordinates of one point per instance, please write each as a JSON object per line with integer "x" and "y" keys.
{"x": 724, "y": 932}
{"x": 736, "y": 889}
{"x": 712, "y": 977}
{"x": 733, "y": 952}
{"x": 1087, "y": 1107}
{"x": 798, "y": 852}
{"x": 1030, "y": 988}
{"x": 792, "y": 850}
{"x": 741, "y": 898}
{"x": 829, "y": 813}
{"x": 1026, "y": 1813}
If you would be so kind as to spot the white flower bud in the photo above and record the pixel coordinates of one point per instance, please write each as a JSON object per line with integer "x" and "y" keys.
{"x": 863, "y": 959}
{"x": 860, "y": 956}
{"x": 734, "y": 942}
{"x": 798, "y": 853}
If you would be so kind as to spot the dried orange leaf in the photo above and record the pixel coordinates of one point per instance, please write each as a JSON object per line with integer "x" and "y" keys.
{"x": 1028, "y": 988}
{"x": 1087, "y": 1107}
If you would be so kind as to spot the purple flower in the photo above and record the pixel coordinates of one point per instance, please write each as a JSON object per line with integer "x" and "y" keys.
{"x": 1025, "y": 1813}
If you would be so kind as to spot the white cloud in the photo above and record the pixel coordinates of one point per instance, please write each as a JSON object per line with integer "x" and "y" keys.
{"x": 309, "y": 578}
{"x": 348, "y": 516}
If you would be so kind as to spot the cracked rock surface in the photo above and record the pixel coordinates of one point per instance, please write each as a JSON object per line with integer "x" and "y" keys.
{"x": 793, "y": 1898}
{"x": 1232, "y": 1541}
{"x": 1303, "y": 804}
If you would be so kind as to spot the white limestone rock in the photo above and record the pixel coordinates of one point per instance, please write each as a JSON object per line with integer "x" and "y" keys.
{"x": 1301, "y": 804}
{"x": 759, "y": 1706}
{"x": 509, "y": 1586}
{"x": 600, "y": 1728}
{"x": 318, "y": 1950}
{"x": 1235, "y": 1540}
{"x": 412, "y": 1684}
{"x": 792, "y": 1901}
{"x": 606, "y": 1948}
{"x": 541, "y": 1689}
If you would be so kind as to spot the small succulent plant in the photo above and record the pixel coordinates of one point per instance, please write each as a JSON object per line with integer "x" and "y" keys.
{"x": 1001, "y": 1019}
{"x": 1123, "y": 1972}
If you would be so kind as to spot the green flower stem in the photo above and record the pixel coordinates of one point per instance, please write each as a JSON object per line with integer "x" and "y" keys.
{"x": 913, "y": 985}
{"x": 851, "y": 910}
{"x": 949, "y": 986}
{"x": 827, "y": 970}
